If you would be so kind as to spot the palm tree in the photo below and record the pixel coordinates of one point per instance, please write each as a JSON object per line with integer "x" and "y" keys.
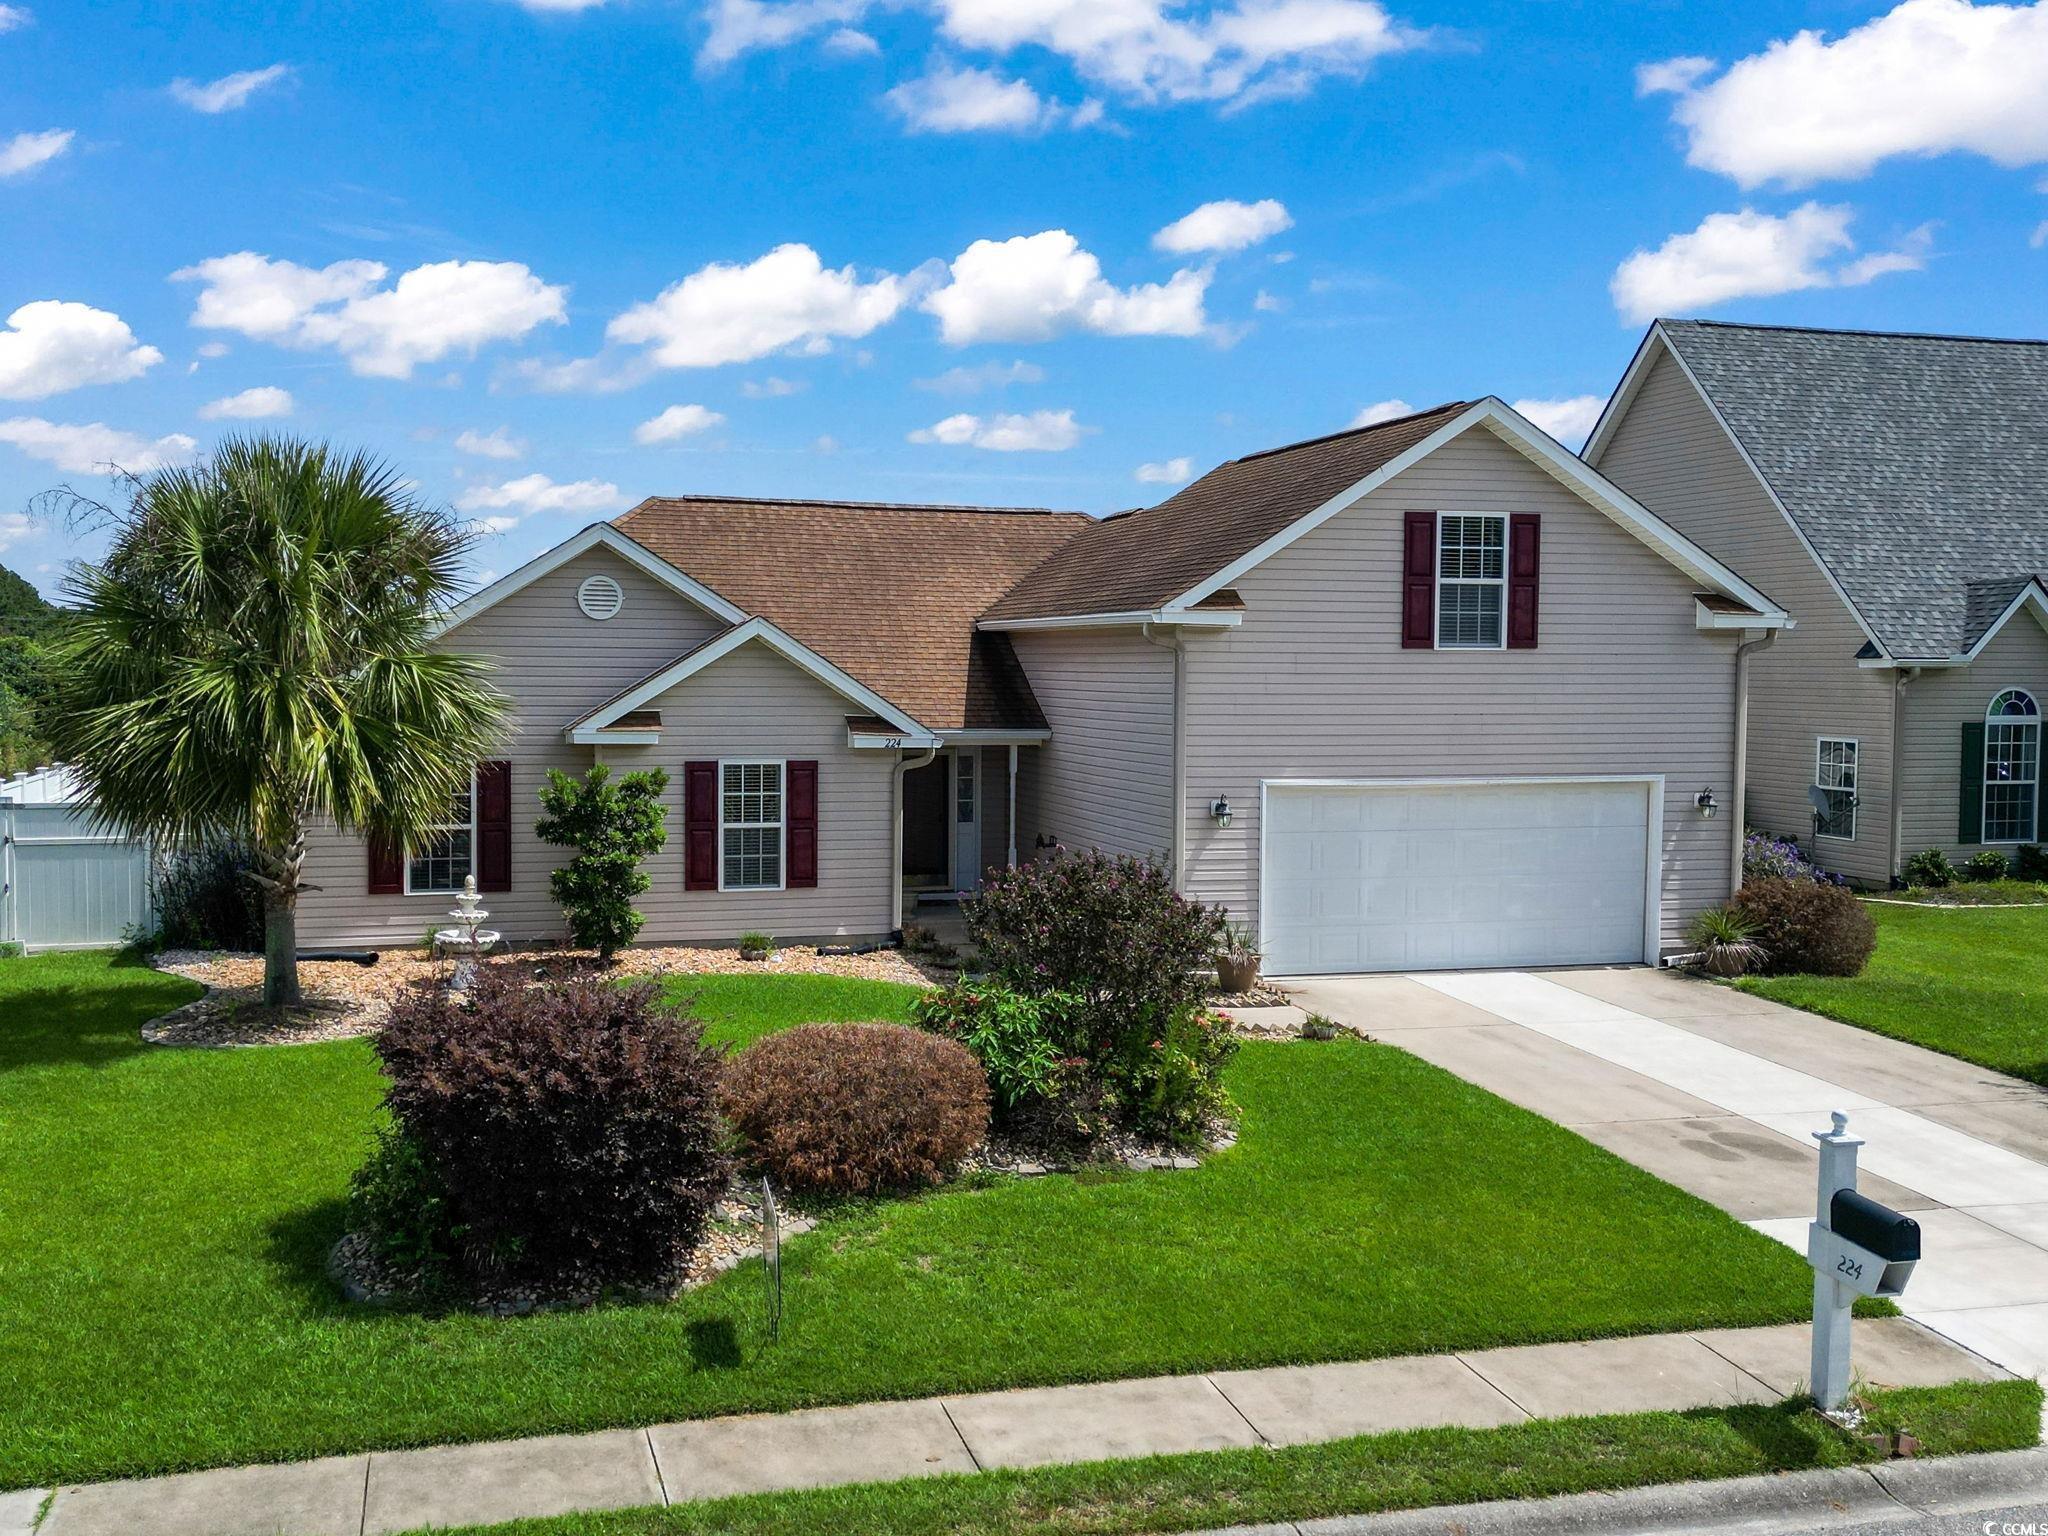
{"x": 255, "y": 653}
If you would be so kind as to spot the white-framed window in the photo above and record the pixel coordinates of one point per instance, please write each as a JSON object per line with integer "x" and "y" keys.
{"x": 1834, "y": 775}
{"x": 2012, "y": 767}
{"x": 750, "y": 826}
{"x": 1471, "y": 581}
{"x": 963, "y": 787}
{"x": 446, "y": 856}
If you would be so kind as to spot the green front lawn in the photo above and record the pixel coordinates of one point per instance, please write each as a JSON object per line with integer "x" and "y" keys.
{"x": 168, "y": 1214}
{"x": 1409, "y": 1470}
{"x": 1972, "y": 984}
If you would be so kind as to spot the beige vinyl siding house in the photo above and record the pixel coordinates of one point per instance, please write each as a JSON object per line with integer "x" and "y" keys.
{"x": 1104, "y": 779}
{"x": 1891, "y": 490}
{"x": 1935, "y": 706}
{"x": 1315, "y": 684}
{"x": 553, "y": 662}
{"x": 1671, "y": 455}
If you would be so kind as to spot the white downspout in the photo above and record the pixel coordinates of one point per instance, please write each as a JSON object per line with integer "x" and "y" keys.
{"x": 903, "y": 766}
{"x": 1739, "y": 820}
{"x": 1898, "y": 830}
{"x": 1011, "y": 823}
{"x": 1178, "y": 645}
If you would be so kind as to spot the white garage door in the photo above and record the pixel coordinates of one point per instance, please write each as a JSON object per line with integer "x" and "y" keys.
{"x": 1403, "y": 877}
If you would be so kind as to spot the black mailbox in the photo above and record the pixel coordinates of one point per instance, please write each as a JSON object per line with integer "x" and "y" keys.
{"x": 1880, "y": 1229}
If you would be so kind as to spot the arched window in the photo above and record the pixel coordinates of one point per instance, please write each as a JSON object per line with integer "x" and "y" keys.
{"x": 2012, "y": 767}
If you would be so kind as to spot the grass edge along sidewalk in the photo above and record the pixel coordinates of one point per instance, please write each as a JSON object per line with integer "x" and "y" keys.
{"x": 1408, "y": 1469}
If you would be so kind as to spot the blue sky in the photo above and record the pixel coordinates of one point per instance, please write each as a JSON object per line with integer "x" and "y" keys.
{"x": 552, "y": 257}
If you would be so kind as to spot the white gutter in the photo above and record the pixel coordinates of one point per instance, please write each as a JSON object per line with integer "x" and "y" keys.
{"x": 1178, "y": 645}
{"x": 1740, "y": 819}
{"x": 903, "y": 766}
{"x": 1194, "y": 618}
{"x": 1013, "y": 806}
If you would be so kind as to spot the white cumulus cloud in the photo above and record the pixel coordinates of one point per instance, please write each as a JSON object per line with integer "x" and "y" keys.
{"x": 12, "y": 16}
{"x": 1171, "y": 472}
{"x": 537, "y": 493}
{"x": 1929, "y": 77}
{"x": 228, "y": 92}
{"x": 498, "y": 443}
{"x": 93, "y": 447}
{"x": 431, "y": 311}
{"x": 14, "y": 526}
{"x": 971, "y": 381}
{"x": 1568, "y": 420}
{"x": 950, "y": 99}
{"x": 1226, "y": 225}
{"x": 677, "y": 421}
{"x": 1382, "y": 410}
{"x": 1754, "y": 255}
{"x": 772, "y": 388}
{"x": 52, "y": 345}
{"x": 1033, "y": 287}
{"x": 1038, "y": 432}
{"x": 25, "y": 151}
{"x": 724, "y": 313}
{"x": 740, "y": 26}
{"x": 1671, "y": 76}
{"x": 249, "y": 405}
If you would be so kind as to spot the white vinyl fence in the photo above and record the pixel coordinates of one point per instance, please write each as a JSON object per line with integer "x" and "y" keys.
{"x": 65, "y": 883}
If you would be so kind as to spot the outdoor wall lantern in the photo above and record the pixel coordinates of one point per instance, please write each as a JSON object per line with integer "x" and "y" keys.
{"x": 1706, "y": 802}
{"x": 1219, "y": 810}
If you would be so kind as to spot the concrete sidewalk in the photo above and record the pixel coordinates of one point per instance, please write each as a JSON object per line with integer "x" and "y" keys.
{"x": 388, "y": 1491}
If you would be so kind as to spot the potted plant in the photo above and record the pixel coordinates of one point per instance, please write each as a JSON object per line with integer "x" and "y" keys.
{"x": 1237, "y": 961}
{"x": 1724, "y": 942}
{"x": 756, "y": 946}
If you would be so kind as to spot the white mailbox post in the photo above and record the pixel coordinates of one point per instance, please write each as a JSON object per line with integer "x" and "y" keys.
{"x": 1857, "y": 1248}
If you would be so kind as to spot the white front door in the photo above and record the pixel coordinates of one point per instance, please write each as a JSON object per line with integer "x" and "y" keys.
{"x": 1403, "y": 877}
{"x": 966, "y": 818}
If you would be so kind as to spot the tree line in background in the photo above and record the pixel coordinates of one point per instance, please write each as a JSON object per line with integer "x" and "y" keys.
{"x": 27, "y": 624}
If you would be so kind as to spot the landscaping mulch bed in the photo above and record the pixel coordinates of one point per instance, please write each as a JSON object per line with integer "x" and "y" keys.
{"x": 1264, "y": 995}
{"x": 344, "y": 1000}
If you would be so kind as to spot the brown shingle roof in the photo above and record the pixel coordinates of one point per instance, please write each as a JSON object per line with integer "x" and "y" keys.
{"x": 1140, "y": 561}
{"x": 887, "y": 592}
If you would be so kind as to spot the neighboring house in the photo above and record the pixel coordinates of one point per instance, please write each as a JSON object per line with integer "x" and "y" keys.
{"x": 1892, "y": 492}
{"x": 1422, "y": 694}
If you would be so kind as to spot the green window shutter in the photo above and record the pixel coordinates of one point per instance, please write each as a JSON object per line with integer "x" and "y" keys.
{"x": 1970, "y": 816}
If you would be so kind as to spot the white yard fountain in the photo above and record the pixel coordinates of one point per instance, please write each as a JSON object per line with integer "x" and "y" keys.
{"x": 468, "y": 939}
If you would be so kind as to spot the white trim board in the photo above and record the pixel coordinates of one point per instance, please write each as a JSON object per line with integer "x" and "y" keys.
{"x": 591, "y": 729}
{"x": 1591, "y": 486}
{"x": 1208, "y": 618}
{"x": 1654, "y": 345}
{"x": 1653, "y": 877}
{"x": 626, "y": 548}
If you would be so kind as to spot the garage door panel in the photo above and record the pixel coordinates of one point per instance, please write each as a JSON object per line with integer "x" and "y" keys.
{"x": 1414, "y": 878}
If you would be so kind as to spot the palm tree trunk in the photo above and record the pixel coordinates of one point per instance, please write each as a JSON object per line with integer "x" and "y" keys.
{"x": 281, "y": 948}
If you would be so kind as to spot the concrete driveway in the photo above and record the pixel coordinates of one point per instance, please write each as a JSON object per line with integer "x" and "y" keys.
{"x": 1716, "y": 1091}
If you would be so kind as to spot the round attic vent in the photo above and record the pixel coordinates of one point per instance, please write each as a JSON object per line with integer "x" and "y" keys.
{"x": 599, "y": 597}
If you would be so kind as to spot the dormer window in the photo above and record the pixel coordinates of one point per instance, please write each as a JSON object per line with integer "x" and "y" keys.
{"x": 1471, "y": 581}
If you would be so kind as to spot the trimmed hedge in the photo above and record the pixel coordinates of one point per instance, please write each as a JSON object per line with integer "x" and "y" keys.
{"x": 856, "y": 1108}
{"x": 1806, "y": 928}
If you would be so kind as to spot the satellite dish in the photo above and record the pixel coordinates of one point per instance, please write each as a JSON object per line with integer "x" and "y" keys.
{"x": 1818, "y": 797}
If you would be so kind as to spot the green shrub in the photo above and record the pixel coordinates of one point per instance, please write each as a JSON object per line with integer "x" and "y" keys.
{"x": 2030, "y": 862}
{"x": 401, "y": 1205}
{"x": 1929, "y": 869}
{"x": 1987, "y": 864}
{"x": 1171, "y": 1087}
{"x": 571, "y": 1128}
{"x": 1807, "y": 928}
{"x": 612, "y": 827}
{"x": 1024, "y": 1043}
{"x": 856, "y": 1108}
{"x": 204, "y": 898}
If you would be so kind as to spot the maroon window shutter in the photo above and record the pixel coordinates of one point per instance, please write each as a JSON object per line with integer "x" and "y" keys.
{"x": 800, "y": 825}
{"x": 1525, "y": 559}
{"x": 1418, "y": 583}
{"x": 700, "y": 826}
{"x": 387, "y": 869}
{"x": 494, "y": 826}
